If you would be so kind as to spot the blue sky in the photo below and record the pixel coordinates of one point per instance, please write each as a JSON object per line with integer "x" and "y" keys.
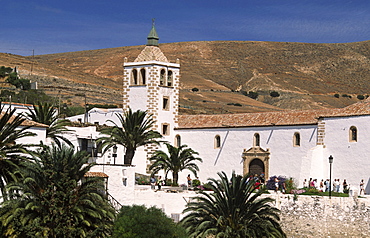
{"x": 62, "y": 26}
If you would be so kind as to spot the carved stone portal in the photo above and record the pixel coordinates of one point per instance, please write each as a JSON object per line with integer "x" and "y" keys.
{"x": 256, "y": 160}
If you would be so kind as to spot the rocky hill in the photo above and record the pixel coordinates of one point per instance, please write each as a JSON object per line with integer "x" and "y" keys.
{"x": 305, "y": 75}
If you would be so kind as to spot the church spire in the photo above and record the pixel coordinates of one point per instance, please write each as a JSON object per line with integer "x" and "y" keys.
{"x": 153, "y": 36}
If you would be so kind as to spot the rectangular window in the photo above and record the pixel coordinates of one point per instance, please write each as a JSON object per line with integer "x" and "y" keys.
{"x": 166, "y": 103}
{"x": 165, "y": 129}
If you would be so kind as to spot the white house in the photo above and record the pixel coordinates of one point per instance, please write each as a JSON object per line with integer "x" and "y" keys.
{"x": 99, "y": 116}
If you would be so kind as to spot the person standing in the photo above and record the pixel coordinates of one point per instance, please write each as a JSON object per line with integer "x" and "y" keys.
{"x": 362, "y": 189}
{"x": 262, "y": 178}
{"x": 336, "y": 185}
{"x": 305, "y": 183}
{"x": 345, "y": 185}
{"x": 327, "y": 185}
{"x": 322, "y": 185}
{"x": 152, "y": 182}
{"x": 160, "y": 183}
{"x": 189, "y": 180}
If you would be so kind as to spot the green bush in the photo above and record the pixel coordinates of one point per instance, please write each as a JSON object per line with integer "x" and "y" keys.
{"x": 14, "y": 79}
{"x": 32, "y": 96}
{"x": 103, "y": 106}
{"x": 360, "y": 97}
{"x": 253, "y": 95}
{"x": 274, "y": 94}
{"x": 250, "y": 94}
{"x": 345, "y": 95}
{"x": 234, "y": 104}
{"x": 4, "y": 71}
{"x": 195, "y": 89}
{"x": 195, "y": 182}
{"x": 336, "y": 95}
{"x": 140, "y": 221}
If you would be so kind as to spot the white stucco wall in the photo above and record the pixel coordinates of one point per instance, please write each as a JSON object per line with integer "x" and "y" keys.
{"x": 39, "y": 137}
{"x": 99, "y": 115}
{"x": 351, "y": 159}
{"x": 285, "y": 159}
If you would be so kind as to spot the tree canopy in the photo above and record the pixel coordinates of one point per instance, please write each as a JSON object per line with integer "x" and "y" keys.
{"x": 140, "y": 221}
{"x": 11, "y": 130}
{"x": 233, "y": 210}
{"x": 55, "y": 199}
{"x": 177, "y": 160}
{"x": 46, "y": 114}
{"x": 133, "y": 131}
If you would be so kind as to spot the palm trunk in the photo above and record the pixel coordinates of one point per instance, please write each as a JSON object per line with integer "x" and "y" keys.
{"x": 129, "y": 156}
{"x": 175, "y": 176}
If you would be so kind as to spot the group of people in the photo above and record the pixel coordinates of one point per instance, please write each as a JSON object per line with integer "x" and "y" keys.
{"x": 160, "y": 182}
{"x": 257, "y": 179}
{"x": 154, "y": 182}
{"x": 324, "y": 186}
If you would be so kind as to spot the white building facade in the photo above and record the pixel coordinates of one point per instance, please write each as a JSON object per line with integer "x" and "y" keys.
{"x": 294, "y": 144}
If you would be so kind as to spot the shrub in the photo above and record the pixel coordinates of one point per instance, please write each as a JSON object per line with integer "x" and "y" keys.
{"x": 195, "y": 182}
{"x": 253, "y": 95}
{"x": 336, "y": 95}
{"x": 274, "y": 94}
{"x": 345, "y": 95}
{"x": 207, "y": 186}
{"x": 140, "y": 221}
{"x": 195, "y": 89}
{"x": 235, "y": 104}
{"x": 360, "y": 97}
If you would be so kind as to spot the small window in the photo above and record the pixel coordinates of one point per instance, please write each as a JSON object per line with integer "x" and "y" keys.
{"x": 217, "y": 141}
{"x": 165, "y": 129}
{"x": 256, "y": 139}
{"x": 166, "y": 103}
{"x": 297, "y": 139}
{"x": 162, "y": 78}
{"x": 353, "y": 134}
{"x": 178, "y": 141}
{"x": 169, "y": 78}
{"x": 134, "y": 77}
{"x": 142, "y": 77}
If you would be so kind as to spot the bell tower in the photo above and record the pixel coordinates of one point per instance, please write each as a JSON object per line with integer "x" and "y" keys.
{"x": 151, "y": 83}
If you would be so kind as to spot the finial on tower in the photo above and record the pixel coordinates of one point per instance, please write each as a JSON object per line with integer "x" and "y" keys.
{"x": 153, "y": 36}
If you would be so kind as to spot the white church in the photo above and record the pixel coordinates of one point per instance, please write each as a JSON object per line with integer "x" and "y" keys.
{"x": 294, "y": 144}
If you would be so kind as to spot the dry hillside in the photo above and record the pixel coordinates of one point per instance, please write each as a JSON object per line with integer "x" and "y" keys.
{"x": 306, "y": 75}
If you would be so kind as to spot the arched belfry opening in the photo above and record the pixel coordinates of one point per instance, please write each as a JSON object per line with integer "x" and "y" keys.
{"x": 256, "y": 161}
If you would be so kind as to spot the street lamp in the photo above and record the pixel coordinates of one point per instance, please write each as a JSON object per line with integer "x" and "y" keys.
{"x": 114, "y": 154}
{"x": 330, "y": 162}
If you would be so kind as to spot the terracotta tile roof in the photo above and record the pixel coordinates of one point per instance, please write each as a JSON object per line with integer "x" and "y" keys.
{"x": 28, "y": 122}
{"x": 96, "y": 174}
{"x": 281, "y": 118}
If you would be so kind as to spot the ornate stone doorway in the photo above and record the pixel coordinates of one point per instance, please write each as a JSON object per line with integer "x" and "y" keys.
{"x": 256, "y": 161}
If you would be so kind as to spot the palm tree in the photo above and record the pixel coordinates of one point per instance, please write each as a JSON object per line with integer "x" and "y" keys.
{"x": 134, "y": 131}
{"x": 232, "y": 210}
{"x": 45, "y": 113}
{"x": 11, "y": 129}
{"x": 177, "y": 159}
{"x": 55, "y": 199}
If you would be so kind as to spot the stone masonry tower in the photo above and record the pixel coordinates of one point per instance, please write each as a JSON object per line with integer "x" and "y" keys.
{"x": 151, "y": 83}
